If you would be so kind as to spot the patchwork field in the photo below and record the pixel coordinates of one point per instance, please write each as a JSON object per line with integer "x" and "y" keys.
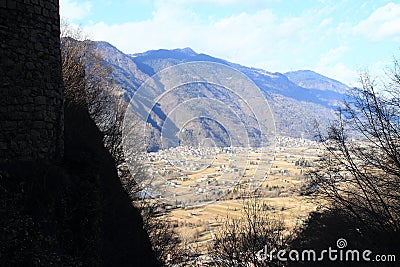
{"x": 280, "y": 191}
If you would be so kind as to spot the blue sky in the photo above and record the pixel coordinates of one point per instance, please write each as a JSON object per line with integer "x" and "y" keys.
{"x": 335, "y": 38}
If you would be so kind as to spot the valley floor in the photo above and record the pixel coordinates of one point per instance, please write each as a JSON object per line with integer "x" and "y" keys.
{"x": 281, "y": 189}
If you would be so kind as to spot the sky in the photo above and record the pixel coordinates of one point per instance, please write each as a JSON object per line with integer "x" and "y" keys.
{"x": 338, "y": 39}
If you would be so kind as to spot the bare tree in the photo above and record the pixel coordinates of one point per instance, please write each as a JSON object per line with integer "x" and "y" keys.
{"x": 87, "y": 78}
{"x": 360, "y": 169}
{"x": 164, "y": 239}
{"x": 89, "y": 83}
{"x": 238, "y": 241}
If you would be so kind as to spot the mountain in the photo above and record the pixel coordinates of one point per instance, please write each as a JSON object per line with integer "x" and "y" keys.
{"x": 296, "y": 99}
{"x": 153, "y": 61}
{"x": 312, "y": 80}
{"x": 302, "y": 85}
{"x": 125, "y": 70}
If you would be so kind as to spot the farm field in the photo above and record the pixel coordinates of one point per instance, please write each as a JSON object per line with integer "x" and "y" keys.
{"x": 280, "y": 191}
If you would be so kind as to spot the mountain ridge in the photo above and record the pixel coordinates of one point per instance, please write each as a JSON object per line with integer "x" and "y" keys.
{"x": 313, "y": 80}
{"x": 297, "y": 99}
{"x": 277, "y": 82}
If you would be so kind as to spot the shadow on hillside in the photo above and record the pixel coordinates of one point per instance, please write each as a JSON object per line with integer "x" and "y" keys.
{"x": 74, "y": 213}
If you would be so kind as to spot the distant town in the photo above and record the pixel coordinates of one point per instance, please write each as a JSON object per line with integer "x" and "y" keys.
{"x": 188, "y": 175}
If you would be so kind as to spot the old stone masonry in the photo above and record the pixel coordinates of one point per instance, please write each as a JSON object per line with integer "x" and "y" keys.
{"x": 31, "y": 116}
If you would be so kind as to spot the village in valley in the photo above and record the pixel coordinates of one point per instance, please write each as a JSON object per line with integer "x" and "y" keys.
{"x": 201, "y": 185}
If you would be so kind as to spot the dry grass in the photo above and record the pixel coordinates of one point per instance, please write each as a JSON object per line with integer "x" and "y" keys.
{"x": 279, "y": 191}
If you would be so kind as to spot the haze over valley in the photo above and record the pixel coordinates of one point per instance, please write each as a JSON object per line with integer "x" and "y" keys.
{"x": 298, "y": 100}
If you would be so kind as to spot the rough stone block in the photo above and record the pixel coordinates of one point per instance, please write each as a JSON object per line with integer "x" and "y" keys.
{"x": 11, "y": 4}
{"x": 39, "y": 125}
{"x": 40, "y": 100}
{"x": 3, "y": 146}
{"x": 31, "y": 95}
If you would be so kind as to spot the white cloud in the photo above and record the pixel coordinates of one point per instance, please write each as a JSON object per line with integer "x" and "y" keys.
{"x": 332, "y": 55}
{"x": 244, "y": 38}
{"x": 217, "y": 2}
{"x": 74, "y": 9}
{"x": 260, "y": 39}
{"x": 341, "y": 73}
{"x": 382, "y": 23}
{"x": 325, "y": 22}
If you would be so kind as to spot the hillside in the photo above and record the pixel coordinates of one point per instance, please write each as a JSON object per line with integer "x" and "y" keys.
{"x": 312, "y": 80}
{"x": 296, "y": 99}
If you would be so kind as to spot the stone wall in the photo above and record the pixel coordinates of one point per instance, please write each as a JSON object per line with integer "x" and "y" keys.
{"x": 31, "y": 100}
